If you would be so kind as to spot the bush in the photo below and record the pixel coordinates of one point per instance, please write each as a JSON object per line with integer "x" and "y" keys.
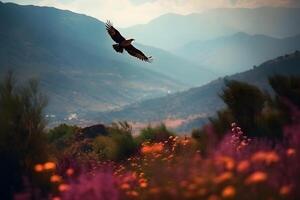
{"x": 121, "y": 133}
{"x": 22, "y": 131}
{"x": 156, "y": 134}
{"x": 61, "y": 136}
{"x": 245, "y": 102}
{"x": 106, "y": 148}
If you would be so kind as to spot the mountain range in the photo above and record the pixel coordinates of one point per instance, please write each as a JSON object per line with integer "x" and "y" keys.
{"x": 162, "y": 32}
{"x": 238, "y": 52}
{"x": 72, "y": 57}
{"x": 193, "y": 107}
{"x": 86, "y": 80}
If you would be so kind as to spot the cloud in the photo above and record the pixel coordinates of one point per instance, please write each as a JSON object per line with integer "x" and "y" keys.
{"x": 130, "y": 12}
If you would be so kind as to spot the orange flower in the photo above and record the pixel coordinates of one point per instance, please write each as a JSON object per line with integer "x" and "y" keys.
{"x": 133, "y": 193}
{"x": 38, "y": 167}
{"x": 227, "y": 161}
{"x": 56, "y": 198}
{"x": 154, "y": 148}
{"x": 213, "y": 197}
{"x": 192, "y": 186}
{"x": 49, "y": 166}
{"x": 285, "y": 190}
{"x": 143, "y": 184}
{"x": 125, "y": 186}
{"x": 154, "y": 190}
{"x": 183, "y": 183}
{"x": 223, "y": 177}
{"x": 70, "y": 172}
{"x": 290, "y": 152}
{"x": 63, "y": 187}
{"x": 228, "y": 192}
{"x": 199, "y": 180}
{"x": 55, "y": 178}
{"x": 202, "y": 191}
{"x": 243, "y": 166}
{"x": 256, "y": 177}
{"x": 265, "y": 156}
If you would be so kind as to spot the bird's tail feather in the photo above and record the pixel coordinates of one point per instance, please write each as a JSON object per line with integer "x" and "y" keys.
{"x": 118, "y": 48}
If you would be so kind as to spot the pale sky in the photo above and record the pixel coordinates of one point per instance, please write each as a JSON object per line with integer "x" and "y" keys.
{"x": 130, "y": 12}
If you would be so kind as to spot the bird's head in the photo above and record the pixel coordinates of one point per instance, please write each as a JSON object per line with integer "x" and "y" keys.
{"x": 131, "y": 40}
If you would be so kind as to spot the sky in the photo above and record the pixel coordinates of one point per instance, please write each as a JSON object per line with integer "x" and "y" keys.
{"x": 126, "y": 13}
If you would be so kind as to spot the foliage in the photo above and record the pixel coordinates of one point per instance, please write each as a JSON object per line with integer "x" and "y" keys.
{"x": 154, "y": 134}
{"x": 106, "y": 148}
{"x": 245, "y": 102}
{"x": 219, "y": 161}
{"x": 22, "y": 130}
{"x": 61, "y": 135}
{"x": 172, "y": 169}
{"x": 287, "y": 87}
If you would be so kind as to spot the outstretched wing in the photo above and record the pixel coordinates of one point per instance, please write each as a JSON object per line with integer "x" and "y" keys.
{"x": 114, "y": 33}
{"x": 137, "y": 53}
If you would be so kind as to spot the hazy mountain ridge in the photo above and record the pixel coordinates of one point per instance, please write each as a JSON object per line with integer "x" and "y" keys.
{"x": 203, "y": 100}
{"x": 72, "y": 56}
{"x": 238, "y": 52}
{"x": 276, "y": 22}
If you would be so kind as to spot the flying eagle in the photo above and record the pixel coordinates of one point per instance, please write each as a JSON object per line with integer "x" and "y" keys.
{"x": 122, "y": 43}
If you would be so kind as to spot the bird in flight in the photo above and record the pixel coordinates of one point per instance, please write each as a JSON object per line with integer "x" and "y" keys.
{"x": 122, "y": 43}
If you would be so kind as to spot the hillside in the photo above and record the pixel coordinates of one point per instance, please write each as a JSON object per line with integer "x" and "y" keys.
{"x": 281, "y": 22}
{"x": 238, "y": 52}
{"x": 71, "y": 55}
{"x": 201, "y": 102}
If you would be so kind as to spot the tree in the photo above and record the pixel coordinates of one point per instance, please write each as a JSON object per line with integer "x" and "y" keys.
{"x": 22, "y": 135}
{"x": 245, "y": 102}
{"x": 286, "y": 88}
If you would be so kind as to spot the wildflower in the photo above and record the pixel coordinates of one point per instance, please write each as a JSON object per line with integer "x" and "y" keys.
{"x": 125, "y": 186}
{"x": 213, "y": 197}
{"x": 154, "y": 190}
{"x": 56, "y": 198}
{"x": 285, "y": 190}
{"x": 243, "y": 166}
{"x": 55, "y": 178}
{"x": 192, "y": 186}
{"x": 49, "y": 166}
{"x": 202, "y": 191}
{"x": 228, "y": 192}
{"x": 133, "y": 193}
{"x": 199, "y": 180}
{"x": 223, "y": 177}
{"x": 256, "y": 177}
{"x": 265, "y": 156}
{"x": 70, "y": 172}
{"x": 38, "y": 167}
{"x": 227, "y": 161}
{"x": 143, "y": 184}
{"x": 154, "y": 148}
{"x": 63, "y": 187}
{"x": 290, "y": 152}
{"x": 183, "y": 183}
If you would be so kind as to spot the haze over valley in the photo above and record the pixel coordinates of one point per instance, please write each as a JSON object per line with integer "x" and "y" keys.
{"x": 87, "y": 82}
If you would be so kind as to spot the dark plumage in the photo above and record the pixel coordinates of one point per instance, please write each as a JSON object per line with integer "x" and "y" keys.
{"x": 122, "y": 44}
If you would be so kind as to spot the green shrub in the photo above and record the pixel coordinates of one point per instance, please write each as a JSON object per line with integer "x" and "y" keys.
{"x": 154, "y": 134}
{"x": 22, "y": 131}
{"x": 61, "y": 136}
{"x": 121, "y": 133}
{"x": 106, "y": 148}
